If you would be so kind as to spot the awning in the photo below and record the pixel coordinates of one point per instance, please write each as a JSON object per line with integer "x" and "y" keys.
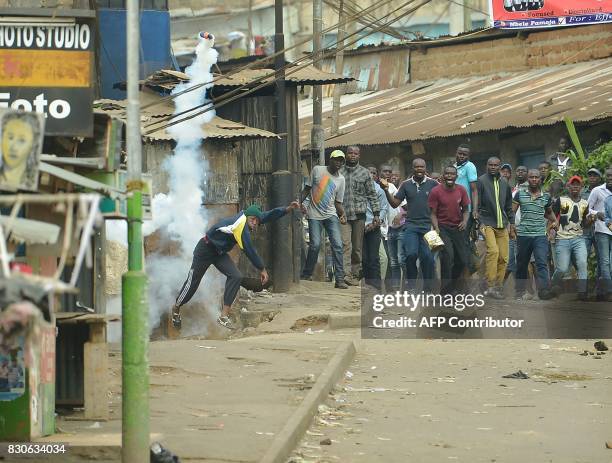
{"x": 444, "y": 108}
{"x": 31, "y": 231}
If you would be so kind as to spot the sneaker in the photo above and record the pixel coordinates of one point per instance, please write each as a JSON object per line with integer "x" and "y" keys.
{"x": 351, "y": 281}
{"x": 341, "y": 285}
{"x": 306, "y": 278}
{"x": 225, "y": 322}
{"x": 546, "y": 294}
{"x": 500, "y": 292}
{"x": 177, "y": 321}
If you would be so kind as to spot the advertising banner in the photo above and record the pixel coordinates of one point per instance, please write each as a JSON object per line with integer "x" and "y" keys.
{"x": 47, "y": 67}
{"x": 534, "y": 14}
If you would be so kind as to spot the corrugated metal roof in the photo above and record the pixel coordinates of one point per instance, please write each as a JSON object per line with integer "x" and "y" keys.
{"x": 217, "y": 128}
{"x": 445, "y": 108}
{"x": 309, "y": 75}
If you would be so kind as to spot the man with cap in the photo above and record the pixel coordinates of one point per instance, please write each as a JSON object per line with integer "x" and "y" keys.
{"x": 322, "y": 202}
{"x": 213, "y": 249}
{"x": 570, "y": 246}
{"x": 506, "y": 171}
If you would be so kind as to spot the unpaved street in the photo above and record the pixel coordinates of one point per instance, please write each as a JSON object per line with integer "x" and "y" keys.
{"x": 436, "y": 400}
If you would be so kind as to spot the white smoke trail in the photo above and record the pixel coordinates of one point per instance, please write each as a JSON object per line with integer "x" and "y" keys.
{"x": 178, "y": 215}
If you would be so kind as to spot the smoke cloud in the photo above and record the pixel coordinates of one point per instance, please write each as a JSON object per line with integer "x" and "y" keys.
{"x": 179, "y": 216}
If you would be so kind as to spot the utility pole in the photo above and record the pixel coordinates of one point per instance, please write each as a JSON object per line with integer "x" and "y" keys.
{"x": 282, "y": 184}
{"x": 338, "y": 88}
{"x": 317, "y": 135}
{"x": 135, "y": 332}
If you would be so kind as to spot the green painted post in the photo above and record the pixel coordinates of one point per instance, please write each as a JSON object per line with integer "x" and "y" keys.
{"x": 135, "y": 342}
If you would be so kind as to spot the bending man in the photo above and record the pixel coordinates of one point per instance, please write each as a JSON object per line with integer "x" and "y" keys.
{"x": 213, "y": 249}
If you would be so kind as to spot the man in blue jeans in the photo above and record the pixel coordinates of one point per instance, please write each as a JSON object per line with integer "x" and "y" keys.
{"x": 325, "y": 190}
{"x": 603, "y": 236}
{"x": 572, "y": 211}
{"x": 535, "y": 207}
{"x": 415, "y": 191}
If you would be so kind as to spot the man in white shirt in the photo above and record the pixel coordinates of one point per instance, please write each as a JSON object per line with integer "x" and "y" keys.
{"x": 603, "y": 236}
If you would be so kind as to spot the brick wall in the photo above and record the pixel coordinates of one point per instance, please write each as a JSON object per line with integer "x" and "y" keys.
{"x": 537, "y": 49}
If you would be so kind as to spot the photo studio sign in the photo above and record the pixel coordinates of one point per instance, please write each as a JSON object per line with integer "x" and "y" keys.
{"x": 46, "y": 66}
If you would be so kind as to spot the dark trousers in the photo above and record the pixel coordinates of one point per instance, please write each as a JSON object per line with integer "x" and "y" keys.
{"x": 370, "y": 258}
{"x": 415, "y": 247}
{"x": 393, "y": 247}
{"x": 454, "y": 257}
{"x": 526, "y": 246}
{"x": 204, "y": 256}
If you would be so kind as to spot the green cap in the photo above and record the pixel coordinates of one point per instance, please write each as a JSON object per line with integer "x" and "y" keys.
{"x": 337, "y": 154}
{"x": 253, "y": 211}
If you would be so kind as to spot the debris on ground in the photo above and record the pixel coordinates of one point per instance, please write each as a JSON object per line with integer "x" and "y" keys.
{"x": 517, "y": 375}
{"x": 311, "y": 331}
{"x": 600, "y": 346}
{"x": 326, "y": 441}
{"x": 311, "y": 320}
{"x": 609, "y": 445}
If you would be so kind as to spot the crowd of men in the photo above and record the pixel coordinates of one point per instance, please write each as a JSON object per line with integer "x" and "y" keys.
{"x": 526, "y": 221}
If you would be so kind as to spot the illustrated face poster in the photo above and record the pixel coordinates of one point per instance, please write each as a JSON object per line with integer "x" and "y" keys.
{"x": 530, "y": 14}
{"x": 12, "y": 374}
{"x": 21, "y": 140}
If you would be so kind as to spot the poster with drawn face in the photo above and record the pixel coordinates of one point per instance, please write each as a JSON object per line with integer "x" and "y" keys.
{"x": 12, "y": 373}
{"x": 21, "y": 140}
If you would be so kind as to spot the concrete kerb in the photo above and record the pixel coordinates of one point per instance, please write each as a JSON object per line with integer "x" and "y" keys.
{"x": 341, "y": 321}
{"x": 284, "y": 442}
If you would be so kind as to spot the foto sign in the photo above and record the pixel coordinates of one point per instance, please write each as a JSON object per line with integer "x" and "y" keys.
{"x": 47, "y": 67}
{"x": 534, "y": 14}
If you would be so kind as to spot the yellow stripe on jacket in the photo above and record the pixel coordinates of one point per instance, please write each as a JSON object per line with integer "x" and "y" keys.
{"x": 236, "y": 229}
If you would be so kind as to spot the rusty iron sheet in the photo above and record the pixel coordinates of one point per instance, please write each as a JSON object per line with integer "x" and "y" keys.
{"x": 444, "y": 108}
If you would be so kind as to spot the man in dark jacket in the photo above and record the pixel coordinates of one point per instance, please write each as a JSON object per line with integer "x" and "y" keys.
{"x": 213, "y": 249}
{"x": 497, "y": 225}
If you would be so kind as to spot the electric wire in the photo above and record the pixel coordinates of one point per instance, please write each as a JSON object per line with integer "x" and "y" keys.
{"x": 263, "y": 60}
{"x": 232, "y": 96}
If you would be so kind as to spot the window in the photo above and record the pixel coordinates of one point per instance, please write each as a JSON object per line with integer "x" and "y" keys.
{"x": 532, "y": 158}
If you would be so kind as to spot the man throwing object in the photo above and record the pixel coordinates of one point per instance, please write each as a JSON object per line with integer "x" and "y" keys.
{"x": 213, "y": 249}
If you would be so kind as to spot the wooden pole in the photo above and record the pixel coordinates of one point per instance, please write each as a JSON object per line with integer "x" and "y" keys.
{"x": 339, "y": 88}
